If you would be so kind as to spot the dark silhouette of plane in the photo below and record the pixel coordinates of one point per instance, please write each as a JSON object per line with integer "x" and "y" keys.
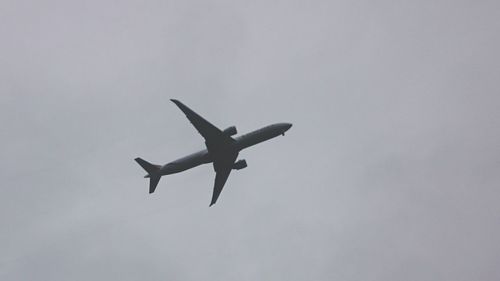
{"x": 222, "y": 150}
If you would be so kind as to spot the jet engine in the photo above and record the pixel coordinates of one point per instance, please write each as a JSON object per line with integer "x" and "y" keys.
{"x": 231, "y": 131}
{"x": 240, "y": 164}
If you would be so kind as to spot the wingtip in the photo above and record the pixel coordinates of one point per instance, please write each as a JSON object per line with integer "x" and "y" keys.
{"x": 174, "y": 101}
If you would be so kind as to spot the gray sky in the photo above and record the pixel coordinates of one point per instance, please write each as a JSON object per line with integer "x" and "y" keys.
{"x": 391, "y": 171}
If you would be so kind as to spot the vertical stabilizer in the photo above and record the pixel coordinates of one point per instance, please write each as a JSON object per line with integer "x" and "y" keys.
{"x": 152, "y": 170}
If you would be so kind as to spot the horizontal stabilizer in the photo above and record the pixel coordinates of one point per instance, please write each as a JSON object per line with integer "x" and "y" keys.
{"x": 152, "y": 170}
{"x": 153, "y": 182}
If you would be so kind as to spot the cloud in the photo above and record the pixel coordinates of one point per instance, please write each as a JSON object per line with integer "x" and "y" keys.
{"x": 389, "y": 173}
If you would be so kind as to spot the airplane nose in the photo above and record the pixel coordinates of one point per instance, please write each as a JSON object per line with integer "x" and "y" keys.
{"x": 287, "y": 126}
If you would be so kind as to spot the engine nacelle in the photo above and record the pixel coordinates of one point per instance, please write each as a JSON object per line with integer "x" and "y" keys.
{"x": 240, "y": 164}
{"x": 231, "y": 131}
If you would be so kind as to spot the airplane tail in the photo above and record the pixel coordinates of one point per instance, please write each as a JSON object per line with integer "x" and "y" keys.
{"x": 152, "y": 170}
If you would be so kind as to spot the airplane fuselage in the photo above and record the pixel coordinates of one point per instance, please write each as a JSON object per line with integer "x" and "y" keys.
{"x": 241, "y": 142}
{"x": 222, "y": 150}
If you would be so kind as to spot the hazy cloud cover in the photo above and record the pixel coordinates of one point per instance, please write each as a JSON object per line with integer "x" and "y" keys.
{"x": 390, "y": 172}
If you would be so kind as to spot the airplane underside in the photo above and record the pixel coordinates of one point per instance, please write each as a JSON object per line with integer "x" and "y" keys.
{"x": 222, "y": 151}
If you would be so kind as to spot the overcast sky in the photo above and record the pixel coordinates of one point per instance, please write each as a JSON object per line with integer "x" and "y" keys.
{"x": 390, "y": 172}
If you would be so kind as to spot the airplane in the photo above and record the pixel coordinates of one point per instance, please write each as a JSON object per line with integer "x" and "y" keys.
{"x": 222, "y": 150}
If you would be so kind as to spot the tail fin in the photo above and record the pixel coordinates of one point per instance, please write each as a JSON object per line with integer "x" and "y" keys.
{"x": 153, "y": 182}
{"x": 152, "y": 170}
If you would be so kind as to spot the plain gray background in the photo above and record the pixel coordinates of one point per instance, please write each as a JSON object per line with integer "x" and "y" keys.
{"x": 390, "y": 172}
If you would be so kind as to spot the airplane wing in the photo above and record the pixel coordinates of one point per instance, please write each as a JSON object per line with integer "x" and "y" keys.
{"x": 217, "y": 142}
{"x": 222, "y": 167}
{"x": 213, "y": 136}
{"x": 220, "y": 179}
